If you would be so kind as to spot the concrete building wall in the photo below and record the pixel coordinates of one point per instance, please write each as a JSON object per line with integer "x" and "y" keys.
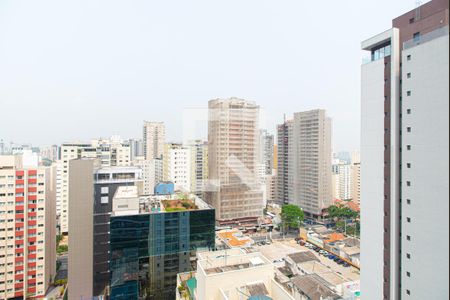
{"x": 211, "y": 286}
{"x": 356, "y": 181}
{"x": 177, "y": 166}
{"x": 425, "y": 165}
{"x": 81, "y": 203}
{"x": 372, "y": 179}
{"x": 199, "y": 167}
{"x": 50, "y": 225}
{"x": 233, "y": 145}
{"x": 285, "y": 166}
{"x": 149, "y": 176}
{"x": 27, "y": 229}
{"x": 312, "y": 161}
{"x": 342, "y": 180}
{"x": 154, "y": 139}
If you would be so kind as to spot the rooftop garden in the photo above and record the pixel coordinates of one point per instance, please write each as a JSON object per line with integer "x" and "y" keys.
{"x": 179, "y": 205}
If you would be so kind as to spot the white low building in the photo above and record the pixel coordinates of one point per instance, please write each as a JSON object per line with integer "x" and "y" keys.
{"x": 231, "y": 275}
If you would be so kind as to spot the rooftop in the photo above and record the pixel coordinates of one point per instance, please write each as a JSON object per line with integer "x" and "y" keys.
{"x": 127, "y": 202}
{"x": 234, "y": 238}
{"x": 333, "y": 237}
{"x": 257, "y": 289}
{"x": 314, "y": 287}
{"x": 301, "y": 257}
{"x": 222, "y": 262}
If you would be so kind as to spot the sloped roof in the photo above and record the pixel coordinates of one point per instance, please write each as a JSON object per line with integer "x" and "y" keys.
{"x": 257, "y": 289}
{"x": 335, "y": 236}
{"x": 314, "y": 287}
{"x": 301, "y": 257}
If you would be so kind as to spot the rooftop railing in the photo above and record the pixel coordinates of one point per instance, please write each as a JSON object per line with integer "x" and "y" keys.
{"x": 420, "y": 39}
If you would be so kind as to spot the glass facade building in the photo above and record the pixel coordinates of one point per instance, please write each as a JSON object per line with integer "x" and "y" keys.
{"x": 148, "y": 250}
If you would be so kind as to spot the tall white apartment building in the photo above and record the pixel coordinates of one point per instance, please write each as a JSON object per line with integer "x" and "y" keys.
{"x": 234, "y": 188}
{"x": 239, "y": 276}
{"x": 27, "y": 228}
{"x": 150, "y": 172}
{"x": 177, "y": 166}
{"x": 404, "y": 158}
{"x": 154, "y": 138}
{"x": 342, "y": 180}
{"x": 312, "y": 161}
{"x": 110, "y": 152}
{"x": 136, "y": 148}
{"x": 199, "y": 166}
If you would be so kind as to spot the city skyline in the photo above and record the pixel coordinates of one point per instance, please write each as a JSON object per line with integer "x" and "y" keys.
{"x": 133, "y": 78}
{"x": 234, "y": 150}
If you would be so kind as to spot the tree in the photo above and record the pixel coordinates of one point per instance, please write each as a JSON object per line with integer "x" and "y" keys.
{"x": 338, "y": 212}
{"x": 62, "y": 249}
{"x": 292, "y": 215}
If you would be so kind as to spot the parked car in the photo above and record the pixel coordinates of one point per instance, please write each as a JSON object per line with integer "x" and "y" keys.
{"x": 323, "y": 252}
{"x": 331, "y": 256}
{"x": 346, "y": 264}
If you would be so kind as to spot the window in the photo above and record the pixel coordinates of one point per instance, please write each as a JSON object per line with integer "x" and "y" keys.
{"x": 105, "y": 190}
{"x": 408, "y": 75}
{"x": 408, "y": 165}
{"x": 408, "y": 274}
{"x": 408, "y": 256}
{"x": 408, "y": 111}
{"x": 104, "y": 200}
{"x": 408, "y": 220}
{"x": 408, "y": 129}
{"x": 408, "y": 292}
{"x": 408, "y": 57}
{"x": 416, "y": 37}
{"x": 408, "y": 237}
{"x": 408, "y": 183}
{"x": 408, "y": 147}
{"x": 408, "y": 93}
{"x": 408, "y": 201}
{"x": 411, "y": 20}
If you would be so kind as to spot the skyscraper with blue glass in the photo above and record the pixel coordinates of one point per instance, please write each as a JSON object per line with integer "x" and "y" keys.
{"x": 151, "y": 245}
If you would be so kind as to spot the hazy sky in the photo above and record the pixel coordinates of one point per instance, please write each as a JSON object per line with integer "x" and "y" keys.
{"x": 76, "y": 70}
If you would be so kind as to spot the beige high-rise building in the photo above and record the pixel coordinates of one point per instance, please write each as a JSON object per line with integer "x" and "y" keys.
{"x": 27, "y": 228}
{"x": 312, "y": 161}
{"x": 233, "y": 137}
{"x": 154, "y": 139}
{"x": 285, "y": 163}
{"x": 356, "y": 177}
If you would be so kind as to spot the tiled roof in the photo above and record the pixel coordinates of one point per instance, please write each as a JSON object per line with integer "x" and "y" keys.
{"x": 301, "y": 257}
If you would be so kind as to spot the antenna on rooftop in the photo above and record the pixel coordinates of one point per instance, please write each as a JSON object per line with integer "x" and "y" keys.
{"x": 418, "y": 4}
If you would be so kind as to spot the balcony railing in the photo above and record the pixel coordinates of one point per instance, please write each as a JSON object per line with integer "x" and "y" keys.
{"x": 425, "y": 37}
